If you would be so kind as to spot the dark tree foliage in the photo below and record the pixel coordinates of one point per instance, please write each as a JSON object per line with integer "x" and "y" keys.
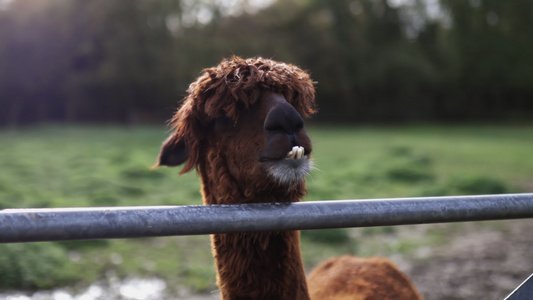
{"x": 130, "y": 61}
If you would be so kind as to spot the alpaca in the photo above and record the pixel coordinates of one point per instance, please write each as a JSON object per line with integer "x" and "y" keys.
{"x": 242, "y": 128}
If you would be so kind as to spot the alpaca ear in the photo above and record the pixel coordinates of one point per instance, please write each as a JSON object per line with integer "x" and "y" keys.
{"x": 174, "y": 152}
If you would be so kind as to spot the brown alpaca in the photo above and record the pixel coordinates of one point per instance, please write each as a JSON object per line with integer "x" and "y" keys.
{"x": 242, "y": 128}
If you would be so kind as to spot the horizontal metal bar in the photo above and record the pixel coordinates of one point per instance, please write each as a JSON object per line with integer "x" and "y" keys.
{"x": 53, "y": 224}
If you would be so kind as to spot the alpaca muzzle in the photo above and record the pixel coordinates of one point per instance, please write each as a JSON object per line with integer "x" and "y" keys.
{"x": 291, "y": 169}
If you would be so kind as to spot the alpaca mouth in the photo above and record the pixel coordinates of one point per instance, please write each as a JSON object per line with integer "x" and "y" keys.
{"x": 297, "y": 152}
{"x": 291, "y": 169}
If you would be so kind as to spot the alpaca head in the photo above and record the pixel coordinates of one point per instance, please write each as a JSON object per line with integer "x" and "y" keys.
{"x": 244, "y": 119}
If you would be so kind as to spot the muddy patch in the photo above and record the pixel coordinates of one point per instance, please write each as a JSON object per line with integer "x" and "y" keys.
{"x": 481, "y": 262}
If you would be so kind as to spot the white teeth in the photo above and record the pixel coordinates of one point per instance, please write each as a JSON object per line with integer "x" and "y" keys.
{"x": 291, "y": 154}
{"x": 297, "y": 152}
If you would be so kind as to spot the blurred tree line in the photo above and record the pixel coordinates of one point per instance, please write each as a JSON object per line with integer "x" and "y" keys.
{"x": 130, "y": 61}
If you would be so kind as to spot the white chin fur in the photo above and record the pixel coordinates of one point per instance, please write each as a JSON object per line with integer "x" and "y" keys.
{"x": 288, "y": 171}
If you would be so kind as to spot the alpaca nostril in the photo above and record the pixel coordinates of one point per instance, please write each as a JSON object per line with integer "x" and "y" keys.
{"x": 292, "y": 139}
{"x": 283, "y": 127}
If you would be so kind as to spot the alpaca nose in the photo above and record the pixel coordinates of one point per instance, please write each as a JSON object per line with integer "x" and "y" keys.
{"x": 284, "y": 119}
{"x": 284, "y": 130}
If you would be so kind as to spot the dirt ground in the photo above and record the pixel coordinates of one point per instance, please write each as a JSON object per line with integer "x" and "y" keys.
{"x": 482, "y": 262}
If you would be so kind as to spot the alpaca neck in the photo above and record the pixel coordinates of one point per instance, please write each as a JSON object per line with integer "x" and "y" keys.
{"x": 258, "y": 265}
{"x": 263, "y": 265}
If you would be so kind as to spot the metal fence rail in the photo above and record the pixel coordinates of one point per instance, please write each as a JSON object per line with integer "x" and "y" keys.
{"x": 53, "y": 224}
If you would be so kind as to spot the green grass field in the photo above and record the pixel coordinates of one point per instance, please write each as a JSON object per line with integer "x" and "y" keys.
{"x": 109, "y": 166}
